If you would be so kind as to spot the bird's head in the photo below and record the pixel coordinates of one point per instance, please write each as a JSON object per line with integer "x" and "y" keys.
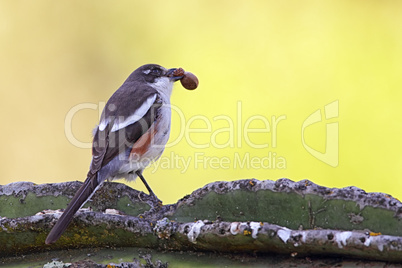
{"x": 154, "y": 73}
{"x": 158, "y": 77}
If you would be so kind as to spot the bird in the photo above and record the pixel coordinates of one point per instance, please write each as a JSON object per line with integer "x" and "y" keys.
{"x": 133, "y": 130}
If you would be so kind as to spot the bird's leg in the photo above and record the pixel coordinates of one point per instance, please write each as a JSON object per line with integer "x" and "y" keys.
{"x": 139, "y": 174}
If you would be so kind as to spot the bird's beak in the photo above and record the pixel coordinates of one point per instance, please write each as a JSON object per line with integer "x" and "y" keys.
{"x": 175, "y": 74}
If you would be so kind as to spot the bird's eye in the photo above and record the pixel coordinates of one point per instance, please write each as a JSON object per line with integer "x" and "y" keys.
{"x": 156, "y": 72}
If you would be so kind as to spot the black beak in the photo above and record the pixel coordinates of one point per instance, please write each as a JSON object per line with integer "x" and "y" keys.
{"x": 171, "y": 74}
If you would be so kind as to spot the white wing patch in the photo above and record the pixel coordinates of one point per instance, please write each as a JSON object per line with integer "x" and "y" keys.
{"x": 102, "y": 125}
{"x": 121, "y": 123}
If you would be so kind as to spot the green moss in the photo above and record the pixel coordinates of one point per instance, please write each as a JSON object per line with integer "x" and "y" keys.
{"x": 125, "y": 205}
{"x": 286, "y": 209}
{"x": 15, "y": 207}
{"x": 291, "y": 210}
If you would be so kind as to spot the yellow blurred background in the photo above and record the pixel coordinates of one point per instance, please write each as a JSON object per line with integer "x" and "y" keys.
{"x": 264, "y": 67}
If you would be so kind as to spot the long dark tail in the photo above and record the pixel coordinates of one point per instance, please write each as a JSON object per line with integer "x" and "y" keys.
{"x": 84, "y": 193}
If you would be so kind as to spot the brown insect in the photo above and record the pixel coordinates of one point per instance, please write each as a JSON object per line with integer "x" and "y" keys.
{"x": 189, "y": 80}
{"x": 178, "y": 72}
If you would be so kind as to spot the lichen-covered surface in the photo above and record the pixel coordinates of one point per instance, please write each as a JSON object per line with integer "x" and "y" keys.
{"x": 298, "y": 219}
{"x": 295, "y": 205}
{"x": 141, "y": 257}
{"x": 20, "y": 199}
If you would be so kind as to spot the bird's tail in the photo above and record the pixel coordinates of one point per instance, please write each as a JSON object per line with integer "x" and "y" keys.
{"x": 84, "y": 193}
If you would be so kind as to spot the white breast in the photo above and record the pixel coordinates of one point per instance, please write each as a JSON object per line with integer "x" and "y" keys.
{"x": 164, "y": 86}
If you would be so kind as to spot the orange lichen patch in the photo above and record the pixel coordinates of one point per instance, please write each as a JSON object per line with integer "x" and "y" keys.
{"x": 246, "y": 232}
{"x": 374, "y": 234}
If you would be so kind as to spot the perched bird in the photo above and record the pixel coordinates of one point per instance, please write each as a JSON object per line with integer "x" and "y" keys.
{"x": 133, "y": 130}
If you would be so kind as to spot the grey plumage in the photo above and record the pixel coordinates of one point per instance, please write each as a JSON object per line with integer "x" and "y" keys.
{"x": 122, "y": 140}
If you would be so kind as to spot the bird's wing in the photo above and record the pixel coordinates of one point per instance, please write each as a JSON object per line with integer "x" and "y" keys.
{"x": 120, "y": 132}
